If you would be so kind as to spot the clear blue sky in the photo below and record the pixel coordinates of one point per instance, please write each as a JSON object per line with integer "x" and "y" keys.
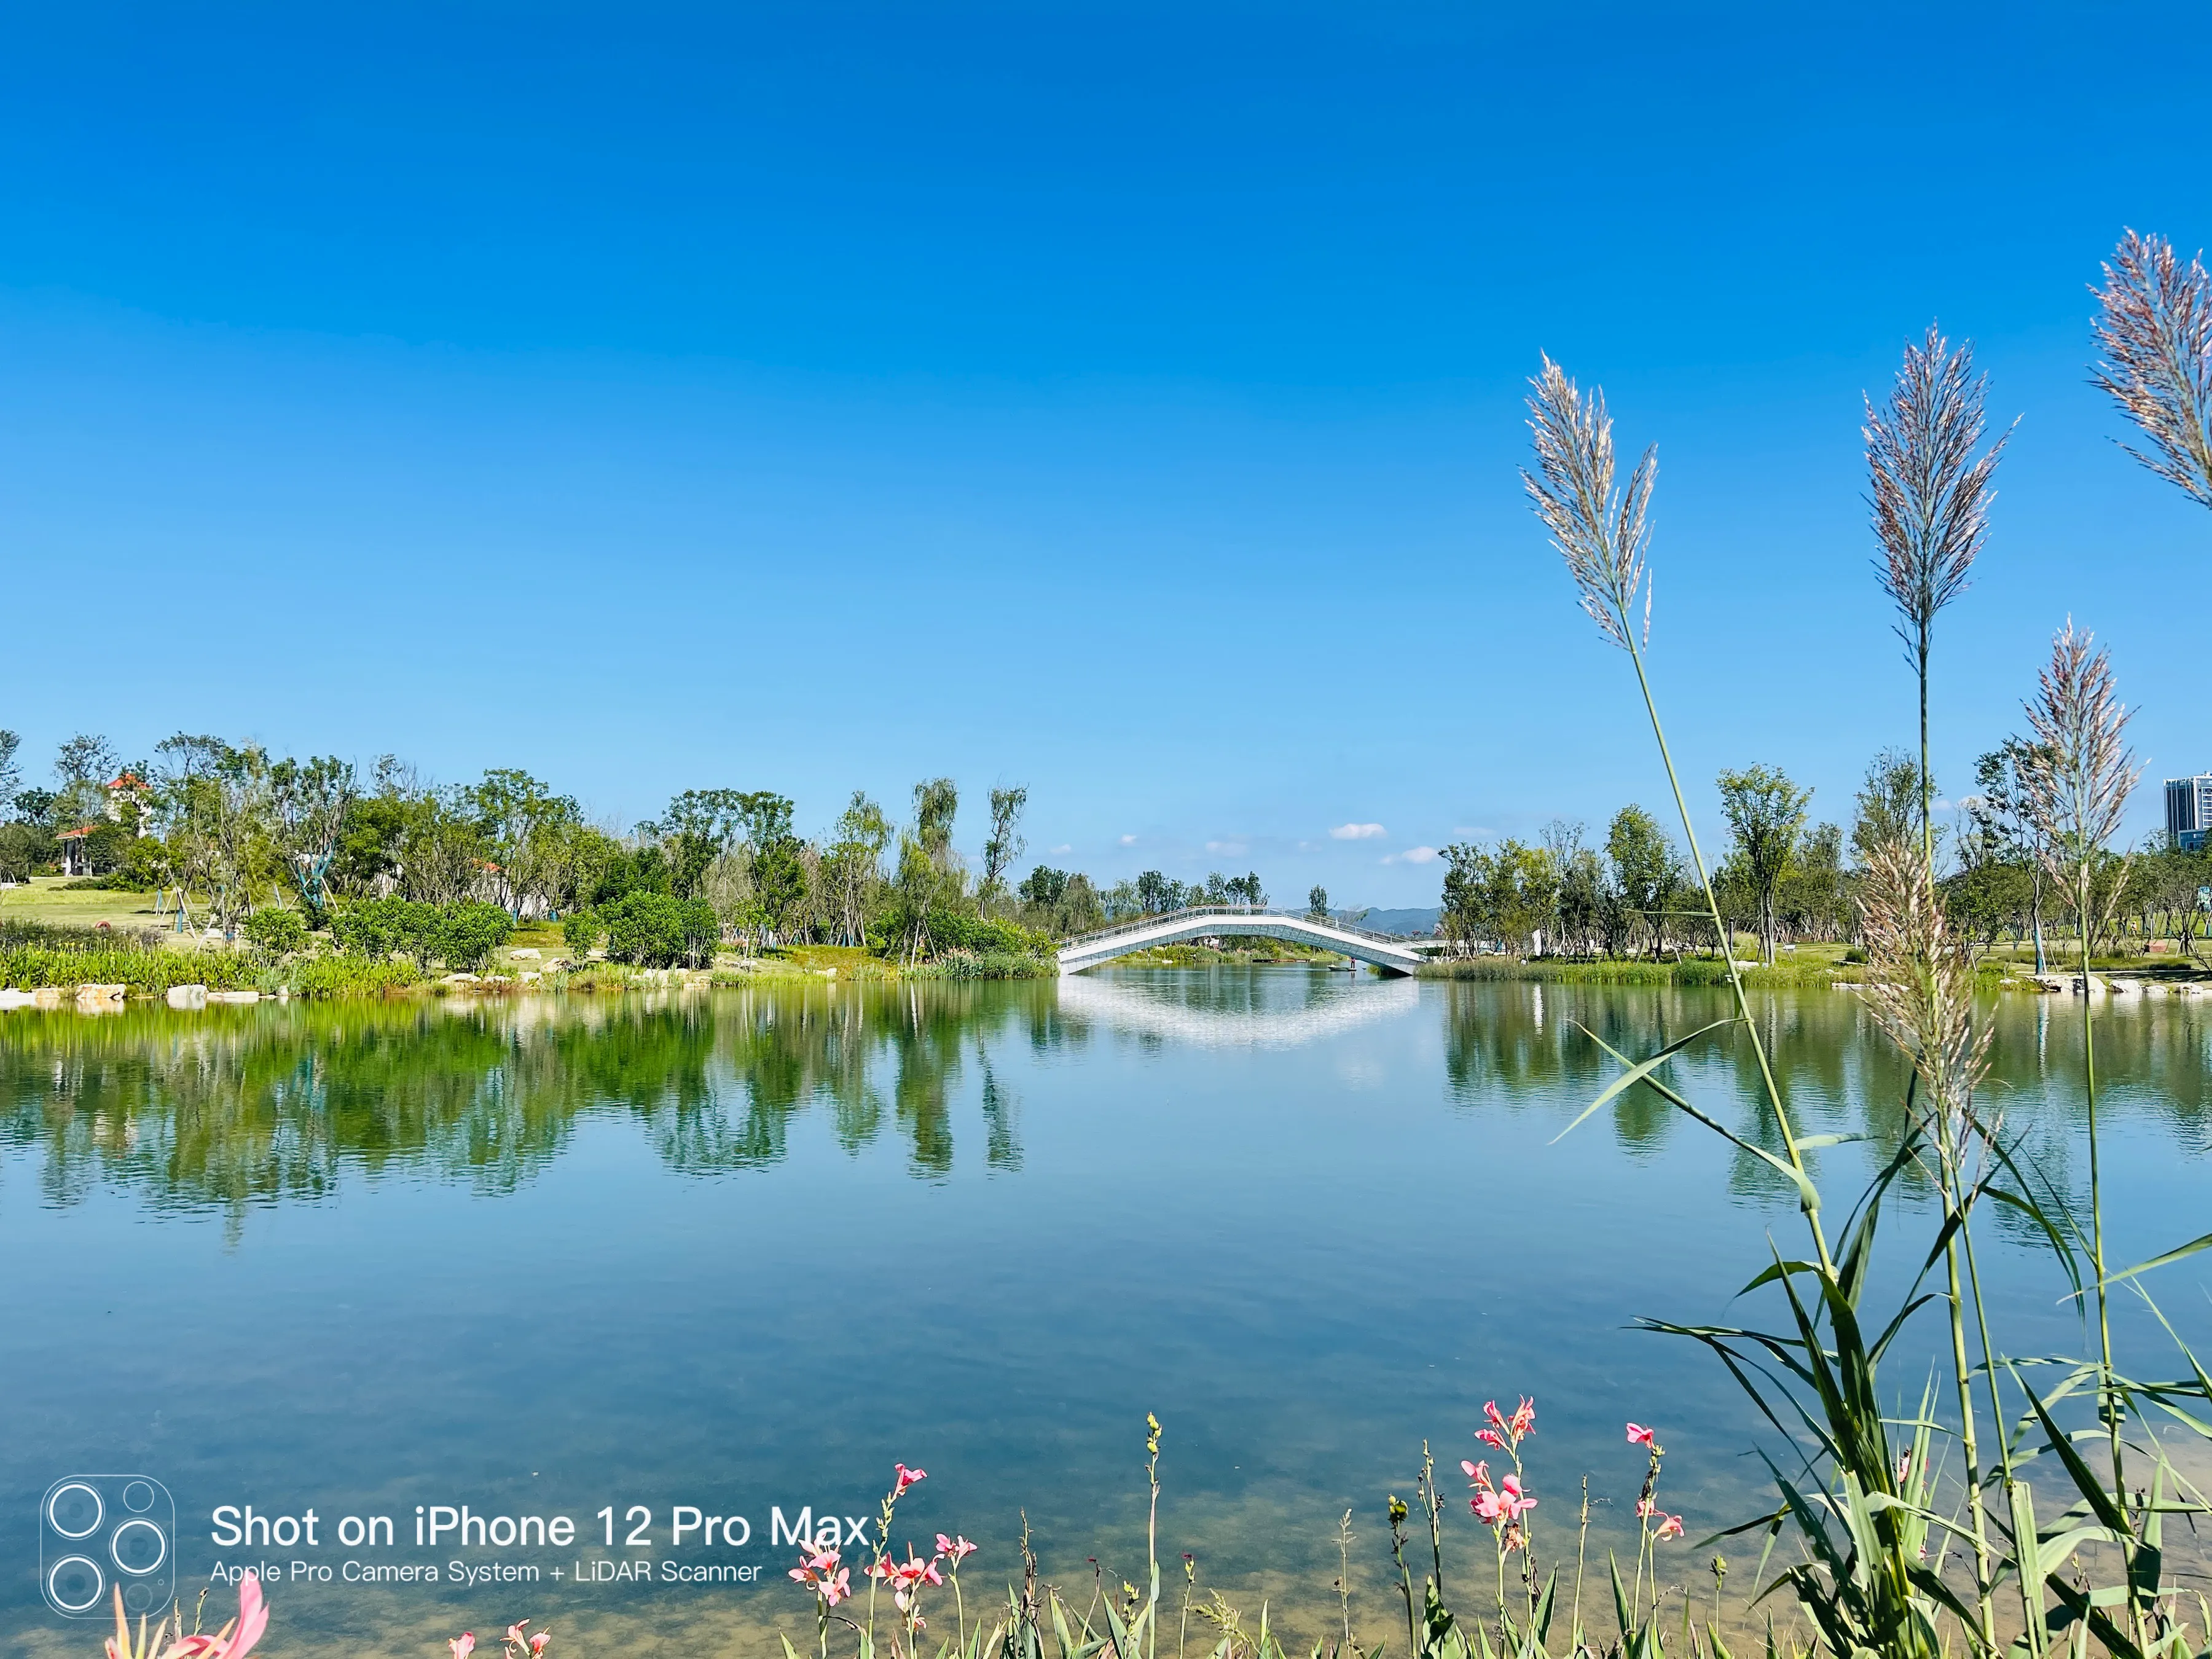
{"x": 1125, "y": 403}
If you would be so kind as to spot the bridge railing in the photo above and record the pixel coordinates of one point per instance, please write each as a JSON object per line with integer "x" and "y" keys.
{"x": 1227, "y": 913}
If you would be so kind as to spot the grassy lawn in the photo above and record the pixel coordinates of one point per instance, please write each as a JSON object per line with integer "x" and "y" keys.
{"x": 47, "y": 899}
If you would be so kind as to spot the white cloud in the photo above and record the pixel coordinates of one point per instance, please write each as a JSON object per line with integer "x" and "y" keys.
{"x": 1468, "y": 829}
{"x": 1128, "y": 841}
{"x": 1234, "y": 849}
{"x": 1358, "y": 832}
{"x": 1063, "y": 847}
{"x": 1412, "y": 855}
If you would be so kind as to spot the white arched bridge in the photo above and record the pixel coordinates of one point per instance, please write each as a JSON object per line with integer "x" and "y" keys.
{"x": 1392, "y": 955}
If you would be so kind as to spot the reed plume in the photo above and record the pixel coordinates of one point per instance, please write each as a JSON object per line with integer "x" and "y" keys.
{"x": 1930, "y": 497}
{"x": 2079, "y": 776}
{"x": 1920, "y": 988}
{"x": 2154, "y": 326}
{"x": 1602, "y": 532}
{"x": 2078, "y": 771}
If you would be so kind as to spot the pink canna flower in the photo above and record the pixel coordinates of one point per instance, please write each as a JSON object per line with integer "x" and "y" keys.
{"x": 1512, "y": 1500}
{"x": 514, "y": 1632}
{"x": 463, "y": 1645}
{"x": 1645, "y": 1508}
{"x": 955, "y": 1550}
{"x": 1638, "y": 1435}
{"x": 236, "y": 1639}
{"x": 537, "y": 1642}
{"x": 1670, "y": 1526}
{"x": 1524, "y": 1417}
{"x": 907, "y": 1477}
{"x": 1491, "y": 1437}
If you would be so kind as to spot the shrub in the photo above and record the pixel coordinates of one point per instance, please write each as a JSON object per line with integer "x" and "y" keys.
{"x": 378, "y": 928}
{"x": 277, "y": 931}
{"x": 468, "y": 933}
{"x": 582, "y": 931}
{"x": 463, "y": 936}
{"x": 656, "y": 930}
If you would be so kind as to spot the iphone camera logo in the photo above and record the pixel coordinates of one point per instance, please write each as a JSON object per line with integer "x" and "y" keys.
{"x": 101, "y": 1532}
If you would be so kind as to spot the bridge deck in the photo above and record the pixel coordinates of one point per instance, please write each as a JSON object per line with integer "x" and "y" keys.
{"x": 1392, "y": 955}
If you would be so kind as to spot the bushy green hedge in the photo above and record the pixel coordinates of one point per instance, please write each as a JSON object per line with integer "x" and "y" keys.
{"x": 463, "y": 936}
{"x": 655, "y": 930}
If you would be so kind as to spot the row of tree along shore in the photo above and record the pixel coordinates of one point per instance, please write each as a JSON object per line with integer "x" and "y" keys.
{"x": 309, "y": 862}
{"x": 1785, "y": 880}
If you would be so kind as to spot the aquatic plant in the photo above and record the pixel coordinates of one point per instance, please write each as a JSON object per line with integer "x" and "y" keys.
{"x": 1866, "y": 1516}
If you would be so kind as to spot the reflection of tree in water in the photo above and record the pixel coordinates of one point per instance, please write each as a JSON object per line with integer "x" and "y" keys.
{"x": 222, "y": 1112}
{"x": 1524, "y": 1046}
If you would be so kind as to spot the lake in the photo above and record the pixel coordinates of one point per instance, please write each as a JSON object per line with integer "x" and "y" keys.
{"x": 744, "y": 1251}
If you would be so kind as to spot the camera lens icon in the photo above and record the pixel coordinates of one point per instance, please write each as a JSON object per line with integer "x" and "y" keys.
{"x": 106, "y": 1534}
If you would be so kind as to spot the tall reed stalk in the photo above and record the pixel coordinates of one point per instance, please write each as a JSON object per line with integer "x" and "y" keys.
{"x": 1930, "y": 497}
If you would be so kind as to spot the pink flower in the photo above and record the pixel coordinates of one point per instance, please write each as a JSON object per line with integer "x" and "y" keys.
{"x": 537, "y": 1642}
{"x": 236, "y": 1639}
{"x": 1473, "y": 1470}
{"x": 463, "y": 1645}
{"x": 955, "y": 1549}
{"x": 1487, "y": 1507}
{"x": 1524, "y": 1417}
{"x": 514, "y": 1632}
{"x": 1493, "y": 1416}
{"x": 907, "y": 1477}
{"x": 1670, "y": 1526}
{"x": 1638, "y": 1435}
{"x": 1491, "y": 1437}
{"x": 1645, "y": 1508}
{"x": 1511, "y": 1499}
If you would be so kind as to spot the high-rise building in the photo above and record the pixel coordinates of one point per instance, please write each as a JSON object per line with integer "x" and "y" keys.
{"x": 2189, "y": 810}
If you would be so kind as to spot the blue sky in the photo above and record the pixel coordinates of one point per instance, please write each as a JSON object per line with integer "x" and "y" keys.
{"x": 1122, "y": 402}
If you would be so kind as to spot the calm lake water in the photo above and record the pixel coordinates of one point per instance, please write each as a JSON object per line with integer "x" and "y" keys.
{"x": 744, "y": 1251}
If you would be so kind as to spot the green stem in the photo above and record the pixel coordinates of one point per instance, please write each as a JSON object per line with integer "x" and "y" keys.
{"x": 1736, "y": 979}
{"x": 2105, "y": 1400}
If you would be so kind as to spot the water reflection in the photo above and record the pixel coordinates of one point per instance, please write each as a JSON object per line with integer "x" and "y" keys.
{"x": 230, "y": 1108}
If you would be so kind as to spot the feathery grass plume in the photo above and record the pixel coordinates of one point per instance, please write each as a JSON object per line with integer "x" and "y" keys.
{"x": 2155, "y": 330}
{"x": 1931, "y": 499}
{"x": 1600, "y": 531}
{"x": 1921, "y": 985}
{"x": 2079, "y": 771}
{"x": 2080, "y": 774}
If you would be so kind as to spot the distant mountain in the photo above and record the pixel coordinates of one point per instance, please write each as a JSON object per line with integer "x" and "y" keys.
{"x": 1406, "y": 924}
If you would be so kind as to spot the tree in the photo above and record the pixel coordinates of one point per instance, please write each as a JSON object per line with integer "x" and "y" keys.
{"x": 11, "y": 769}
{"x": 83, "y": 767}
{"x": 1766, "y": 814}
{"x": 1157, "y": 895}
{"x": 1005, "y": 842}
{"x": 1998, "y": 810}
{"x": 1645, "y": 870}
{"x": 936, "y": 803}
{"x": 1888, "y": 806}
{"x": 309, "y": 803}
{"x": 1317, "y": 902}
{"x": 853, "y": 868}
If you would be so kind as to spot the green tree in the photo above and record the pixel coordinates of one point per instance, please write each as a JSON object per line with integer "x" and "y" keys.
{"x": 1765, "y": 815}
{"x": 1888, "y": 806}
{"x": 1317, "y": 902}
{"x": 309, "y": 803}
{"x": 1005, "y": 842}
{"x": 11, "y": 769}
{"x": 1646, "y": 870}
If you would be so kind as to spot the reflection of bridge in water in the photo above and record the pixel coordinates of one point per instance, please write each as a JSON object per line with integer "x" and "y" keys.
{"x": 1392, "y": 955}
{"x": 1141, "y": 1011}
